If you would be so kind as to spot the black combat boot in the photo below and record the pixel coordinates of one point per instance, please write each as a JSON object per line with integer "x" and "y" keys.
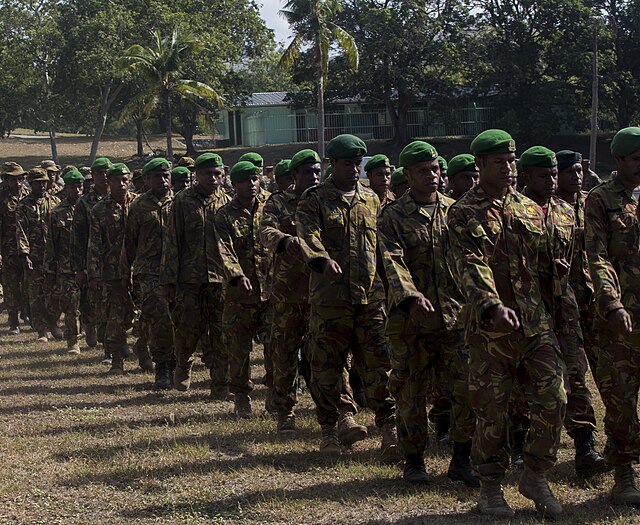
{"x": 588, "y": 461}
{"x": 460, "y": 466}
{"x": 163, "y": 376}
{"x": 415, "y": 470}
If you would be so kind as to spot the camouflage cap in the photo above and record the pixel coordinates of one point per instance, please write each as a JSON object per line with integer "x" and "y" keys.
{"x": 282, "y": 168}
{"x": 208, "y": 160}
{"x": 180, "y": 173}
{"x": 253, "y": 157}
{"x": 304, "y": 156}
{"x": 186, "y": 162}
{"x": 12, "y": 169}
{"x": 68, "y": 168}
{"x": 159, "y": 163}
{"x": 86, "y": 172}
{"x": 73, "y": 176}
{"x": 377, "y": 161}
{"x": 346, "y": 147}
{"x": 417, "y": 151}
{"x": 567, "y": 158}
{"x": 538, "y": 157}
{"x": 625, "y": 142}
{"x": 118, "y": 169}
{"x": 493, "y": 142}
{"x": 38, "y": 174}
{"x": 49, "y": 165}
{"x": 461, "y": 163}
{"x": 101, "y": 163}
{"x": 244, "y": 170}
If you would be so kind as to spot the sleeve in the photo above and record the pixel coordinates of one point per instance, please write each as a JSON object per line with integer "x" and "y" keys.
{"x": 95, "y": 248}
{"x": 81, "y": 234}
{"x": 605, "y": 279}
{"x": 50, "y": 248}
{"x": 309, "y": 228}
{"x": 230, "y": 262}
{"x": 130, "y": 244}
{"x": 22, "y": 230}
{"x": 169, "y": 261}
{"x": 270, "y": 235}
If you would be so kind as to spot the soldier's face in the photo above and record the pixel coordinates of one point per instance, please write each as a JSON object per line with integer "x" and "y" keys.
{"x": 379, "y": 180}
{"x": 541, "y": 182}
{"x": 570, "y": 179}
{"x": 118, "y": 185}
{"x": 462, "y": 182}
{"x": 346, "y": 172}
{"x": 37, "y": 188}
{"x": 498, "y": 171}
{"x": 14, "y": 184}
{"x": 307, "y": 175}
{"x": 159, "y": 181}
{"x": 208, "y": 179}
{"x": 73, "y": 190}
{"x": 100, "y": 178}
{"x": 423, "y": 177}
{"x": 180, "y": 185}
{"x": 248, "y": 189}
{"x": 629, "y": 169}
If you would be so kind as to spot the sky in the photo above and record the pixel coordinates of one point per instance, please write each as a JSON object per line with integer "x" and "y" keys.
{"x": 269, "y": 11}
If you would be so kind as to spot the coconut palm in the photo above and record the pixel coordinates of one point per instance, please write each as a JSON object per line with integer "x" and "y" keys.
{"x": 161, "y": 65}
{"x": 312, "y": 24}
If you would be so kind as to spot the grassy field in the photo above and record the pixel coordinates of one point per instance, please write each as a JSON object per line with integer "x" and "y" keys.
{"x": 80, "y": 447}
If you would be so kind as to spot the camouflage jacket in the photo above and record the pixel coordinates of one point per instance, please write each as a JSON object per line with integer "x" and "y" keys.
{"x": 502, "y": 251}
{"x": 106, "y": 237}
{"x": 32, "y": 224}
{"x": 8, "y": 204}
{"x": 613, "y": 247}
{"x": 190, "y": 252}
{"x": 146, "y": 221}
{"x": 579, "y": 276}
{"x": 60, "y": 250}
{"x": 414, "y": 249}
{"x": 241, "y": 251}
{"x": 81, "y": 227}
{"x": 344, "y": 229}
{"x": 290, "y": 278}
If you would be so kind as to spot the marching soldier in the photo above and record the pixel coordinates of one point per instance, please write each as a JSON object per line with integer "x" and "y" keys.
{"x": 378, "y": 170}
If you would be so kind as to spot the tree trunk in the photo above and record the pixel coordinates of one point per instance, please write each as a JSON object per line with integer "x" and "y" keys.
{"x": 188, "y": 140}
{"x": 139, "y": 138}
{"x": 108, "y": 98}
{"x": 54, "y": 145}
{"x": 168, "y": 129}
{"x": 320, "y": 126}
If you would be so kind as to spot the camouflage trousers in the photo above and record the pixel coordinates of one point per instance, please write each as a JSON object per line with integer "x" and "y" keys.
{"x": 92, "y": 308}
{"x": 52, "y": 301}
{"x": 336, "y": 330}
{"x": 68, "y": 292}
{"x": 494, "y": 366}
{"x": 197, "y": 314}
{"x": 118, "y": 314}
{"x": 415, "y": 360}
{"x": 241, "y": 323}
{"x": 12, "y": 273}
{"x": 590, "y": 339}
{"x": 35, "y": 292}
{"x": 618, "y": 374}
{"x": 155, "y": 318}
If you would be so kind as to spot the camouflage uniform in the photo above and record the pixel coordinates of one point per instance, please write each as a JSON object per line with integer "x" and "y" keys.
{"x": 347, "y": 312}
{"x": 613, "y": 250}
{"x": 191, "y": 262}
{"x": 12, "y": 270}
{"x": 502, "y": 255}
{"x": 414, "y": 248}
{"x": 106, "y": 237}
{"x": 242, "y": 255}
{"x": 141, "y": 256}
{"x": 32, "y": 224}
{"x": 90, "y": 298}
{"x": 59, "y": 262}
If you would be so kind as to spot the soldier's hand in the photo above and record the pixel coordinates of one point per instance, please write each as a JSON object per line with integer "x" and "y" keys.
{"x": 93, "y": 284}
{"x": 27, "y": 263}
{"x": 420, "y": 307}
{"x": 244, "y": 284}
{"x": 331, "y": 269}
{"x": 292, "y": 245}
{"x": 503, "y": 319}
{"x": 620, "y": 322}
{"x": 562, "y": 267}
{"x": 169, "y": 292}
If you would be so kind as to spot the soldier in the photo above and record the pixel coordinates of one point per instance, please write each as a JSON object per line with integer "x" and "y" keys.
{"x": 59, "y": 257}
{"x": 88, "y": 179}
{"x": 378, "y": 170}
{"x": 255, "y": 159}
{"x": 463, "y": 175}
{"x": 32, "y": 223}
{"x": 590, "y": 177}
{"x": 245, "y": 265}
{"x": 283, "y": 176}
{"x": 139, "y": 182}
{"x": 147, "y": 219}
{"x": 539, "y": 172}
{"x": 106, "y": 236}
{"x": 613, "y": 249}
{"x": 90, "y": 299}
{"x": 191, "y": 275}
{"x": 500, "y": 245}
{"x": 424, "y": 325}
{"x": 189, "y": 163}
{"x": 336, "y": 222}
{"x": 444, "y": 176}
{"x": 53, "y": 171}
{"x": 398, "y": 183}
{"x": 12, "y": 272}
{"x": 180, "y": 178}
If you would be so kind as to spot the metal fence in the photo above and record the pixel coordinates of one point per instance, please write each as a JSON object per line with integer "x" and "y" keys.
{"x": 263, "y": 127}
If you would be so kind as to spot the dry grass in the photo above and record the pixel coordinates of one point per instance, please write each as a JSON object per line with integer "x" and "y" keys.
{"x": 78, "y": 446}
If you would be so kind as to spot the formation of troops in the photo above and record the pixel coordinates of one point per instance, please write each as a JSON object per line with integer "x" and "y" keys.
{"x": 485, "y": 288}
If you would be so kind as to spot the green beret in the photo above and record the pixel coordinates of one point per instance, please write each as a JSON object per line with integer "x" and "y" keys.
{"x": 208, "y": 160}
{"x": 327, "y": 173}
{"x": 492, "y": 142}
{"x": 244, "y": 170}
{"x": 305, "y": 156}
{"x": 460, "y": 163}
{"x": 101, "y": 163}
{"x": 73, "y": 176}
{"x": 397, "y": 177}
{"x": 417, "y": 151}
{"x": 567, "y": 158}
{"x": 253, "y": 157}
{"x": 346, "y": 147}
{"x": 119, "y": 169}
{"x": 442, "y": 163}
{"x": 538, "y": 157}
{"x": 158, "y": 163}
{"x": 180, "y": 173}
{"x": 38, "y": 174}
{"x": 12, "y": 168}
{"x": 625, "y": 142}
{"x": 282, "y": 168}
{"x": 377, "y": 161}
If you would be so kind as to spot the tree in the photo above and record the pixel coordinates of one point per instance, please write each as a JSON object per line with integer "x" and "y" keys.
{"x": 313, "y": 23}
{"x": 161, "y": 65}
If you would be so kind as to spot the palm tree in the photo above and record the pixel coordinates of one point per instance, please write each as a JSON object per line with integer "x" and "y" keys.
{"x": 312, "y": 24}
{"x": 161, "y": 65}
